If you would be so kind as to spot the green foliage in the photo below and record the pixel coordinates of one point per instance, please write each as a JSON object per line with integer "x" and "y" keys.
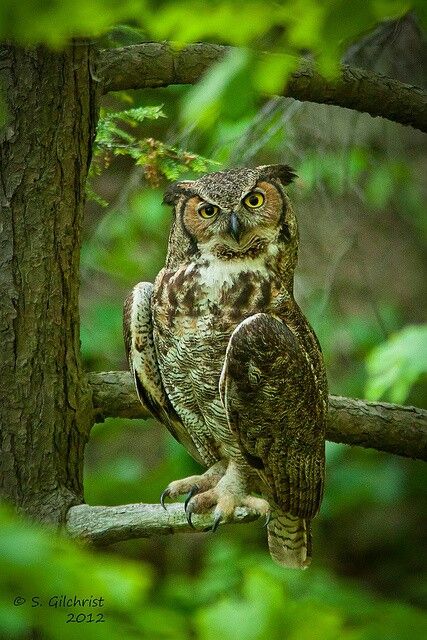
{"x": 336, "y": 170}
{"x": 101, "y": 333}
{"x": 395, "y": 365}
{"x": 325, "y": 28}
{"x": 237, "y": 594}
{"x": 129, "y": 239}
{"x": 357, "y": 483}
{"x": 107, "y": 128}
{"x": 243, "y": 596}
{"x": 347, "y": 339}
{"x": 217, "y": 90}
{"x": 391, "y": 180}
{"x": 56, "y": 22}
{"x": 270, "y": 73}
{"x": 34, "y": 562}
{"x": 158, "y": 159}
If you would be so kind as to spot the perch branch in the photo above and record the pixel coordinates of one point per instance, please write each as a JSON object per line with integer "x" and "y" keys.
{"x": 378, "y": 425}
{"x": 387, "y": 427}
{"x": 156, "y": 64}
{"x": 105, "y": 525}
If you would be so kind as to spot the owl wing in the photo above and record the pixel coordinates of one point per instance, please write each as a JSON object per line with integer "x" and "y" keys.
{"x": 142, "y": 358}
{"x": 276, "y": 412}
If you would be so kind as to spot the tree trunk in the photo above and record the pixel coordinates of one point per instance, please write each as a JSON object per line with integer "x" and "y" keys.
{"x": 46, "y": 143}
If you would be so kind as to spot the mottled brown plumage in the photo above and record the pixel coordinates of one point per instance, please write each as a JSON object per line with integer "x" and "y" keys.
{"x": 224, "y": 357}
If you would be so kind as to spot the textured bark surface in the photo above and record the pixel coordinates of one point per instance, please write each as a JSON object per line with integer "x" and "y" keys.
{"x": 155, "y": 64}
{"x": 45, "y": 155}
{"x": 105, "y": 525}
{"x": 378, "y": 425}
{"x": 387, "y": 427}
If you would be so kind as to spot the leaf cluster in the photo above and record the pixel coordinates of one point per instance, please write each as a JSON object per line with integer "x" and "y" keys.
{"x": 35, "y": 562}
{"x": 397, "y": 364}
{"x": 324, "y": 28}
{"x": 117, "y": 135}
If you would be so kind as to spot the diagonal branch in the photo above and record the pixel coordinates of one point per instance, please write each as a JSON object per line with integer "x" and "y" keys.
{"x": 156, "y": 64}
{"x": 378, "y": 425}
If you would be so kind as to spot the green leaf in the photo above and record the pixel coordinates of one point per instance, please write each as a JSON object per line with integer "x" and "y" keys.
{"x": 379, "y": 187}
{"x": 139, "y": 114}
{"x": 36, "y": 562}
{"x": 92, "y": 195}
{"x": 272, "y": 72}
{"x": 394, "y": 366}
{"x": 202, "y": 103}
{"x": 58, "y": 21}
{"x": 230, "y": 619}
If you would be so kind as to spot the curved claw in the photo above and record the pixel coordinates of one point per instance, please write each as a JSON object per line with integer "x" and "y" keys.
{"x": 267, "y": 519}
{"x": 164, "y": 495}
{"x": 189, "y": 513}
{"x": 216, "y": 523}
{"x": 194, "y": 489}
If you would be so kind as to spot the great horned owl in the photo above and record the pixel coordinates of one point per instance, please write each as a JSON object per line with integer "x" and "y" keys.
{"x": 223, "y": 356}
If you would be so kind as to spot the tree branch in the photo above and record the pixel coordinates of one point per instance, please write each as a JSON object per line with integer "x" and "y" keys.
{"x": 378, "y": 425}
{"x": 105, "y": 525}
{"x": 387, "y": 427}
{"x": 156, "y": 64}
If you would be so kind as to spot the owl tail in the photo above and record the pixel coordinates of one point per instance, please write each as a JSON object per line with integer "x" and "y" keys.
{"x": 289, "y": 540}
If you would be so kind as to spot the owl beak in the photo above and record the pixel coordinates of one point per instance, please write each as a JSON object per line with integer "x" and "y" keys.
{"x": 235, "y": 227}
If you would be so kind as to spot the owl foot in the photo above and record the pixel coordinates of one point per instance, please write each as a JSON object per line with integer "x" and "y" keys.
{"x": 229, "y": 492}
{"x": 194, "y": 484}
{"x": 225, "y": 502}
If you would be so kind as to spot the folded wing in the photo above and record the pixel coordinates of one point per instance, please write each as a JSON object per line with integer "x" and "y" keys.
{"x": 142, "y": 358}
{"x": 275, "y": 410}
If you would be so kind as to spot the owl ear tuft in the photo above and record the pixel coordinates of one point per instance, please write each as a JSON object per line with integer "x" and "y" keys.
{"x": 282, "y": 172}
{"x": 177, "y": 189}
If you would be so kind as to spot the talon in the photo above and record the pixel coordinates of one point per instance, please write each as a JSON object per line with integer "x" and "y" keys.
{"x": 164, "y": 495}
{"x": 216, "y": 523}
{"x": 194, "y": 489}
{"x": 189, "y": 513}
{"x": 267, "y": 519}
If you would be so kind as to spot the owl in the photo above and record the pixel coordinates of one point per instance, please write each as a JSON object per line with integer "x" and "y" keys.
{"x": 222, "y": 355}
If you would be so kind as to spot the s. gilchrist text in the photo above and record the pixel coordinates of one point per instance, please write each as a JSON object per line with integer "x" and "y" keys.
{"x": 66, "y": 601}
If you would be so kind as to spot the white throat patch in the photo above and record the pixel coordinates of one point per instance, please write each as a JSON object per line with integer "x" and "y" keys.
{"x": 219, "y": 273}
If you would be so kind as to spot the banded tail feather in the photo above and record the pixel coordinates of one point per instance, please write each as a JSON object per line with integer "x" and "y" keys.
{"x": 289, "y": 540}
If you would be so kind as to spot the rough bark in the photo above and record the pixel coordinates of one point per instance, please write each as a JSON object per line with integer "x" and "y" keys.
{"x": 45, "y": 155}
{"x": 105, "y": 525}
{"x": 156, "y": 64}
{"x": 392, "y": 428}
{"x": 378, "y": 425}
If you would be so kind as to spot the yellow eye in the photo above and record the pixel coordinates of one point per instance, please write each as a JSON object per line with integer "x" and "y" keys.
{"x": 253, "y": 200}
{"x": 208, "y": 210}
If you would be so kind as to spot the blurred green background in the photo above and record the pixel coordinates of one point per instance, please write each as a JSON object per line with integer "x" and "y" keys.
{"x": 361, "y": 282}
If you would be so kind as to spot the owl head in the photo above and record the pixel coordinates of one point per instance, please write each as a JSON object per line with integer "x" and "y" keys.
{"x": 232, "y": 215}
